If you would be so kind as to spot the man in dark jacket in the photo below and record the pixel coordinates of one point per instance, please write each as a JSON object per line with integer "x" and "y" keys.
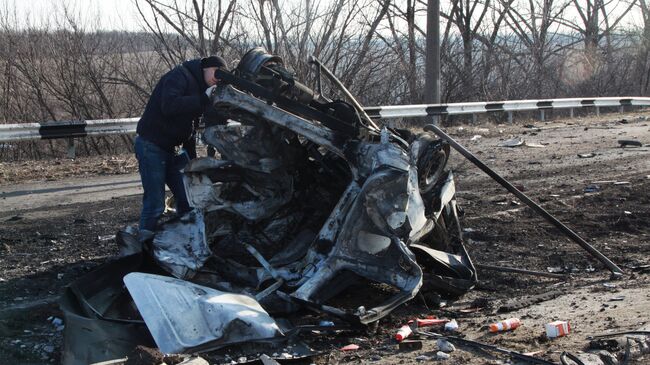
{"x": 179, "y": 98}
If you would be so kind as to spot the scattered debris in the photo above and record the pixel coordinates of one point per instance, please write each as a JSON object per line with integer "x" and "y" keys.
{"x": 410, "y": 345}
{"x": 513, "y": 142}
{"x": 551, "y": 274}
{"x": 451, "y": 326}
{"x": 586, "y": 155}
{"x": 617, "y": 298}
{"x": 557, "y": 329}
{"x": 520, "y": 303}
{"x": 14, "y": 218}
{"x": 475, "y": 137}
{"x": 629, "y": 143}
{"x": 534, "y": 145}
{"x": 350, "y": 347}
{"x": 403, "y": 332}
{"x": 592, "y": 188}
{"x": 505, "y": 325}
{"x": 483, "y": 346}
{"x": 194, "y": 361}
{"x": 442, "y": 355}
{"x": 267, "y": 360}
{"x": 444, "y": 345}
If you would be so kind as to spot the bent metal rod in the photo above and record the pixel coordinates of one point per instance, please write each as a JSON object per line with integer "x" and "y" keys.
{"x": 536, "y": 207}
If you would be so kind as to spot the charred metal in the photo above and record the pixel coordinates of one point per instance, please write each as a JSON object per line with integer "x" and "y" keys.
{"x": 308, "y": 198}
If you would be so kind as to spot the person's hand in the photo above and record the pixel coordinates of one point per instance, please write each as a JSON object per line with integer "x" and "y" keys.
{"x": 210, "y": 90}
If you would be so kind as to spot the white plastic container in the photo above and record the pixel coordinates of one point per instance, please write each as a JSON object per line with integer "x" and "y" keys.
{"x": 557, "y": 329}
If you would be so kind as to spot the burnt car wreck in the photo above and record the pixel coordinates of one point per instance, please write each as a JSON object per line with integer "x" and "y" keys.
{"x": 308, "y": 198}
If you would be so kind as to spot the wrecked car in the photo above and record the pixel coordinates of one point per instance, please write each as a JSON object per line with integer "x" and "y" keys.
{"x": 309, "y": 197}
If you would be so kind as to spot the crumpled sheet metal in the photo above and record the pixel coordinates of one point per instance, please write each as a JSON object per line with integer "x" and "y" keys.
{"x": 184, "y": 317}
{"x": 379, "y": 214}
{"x": 375, "y": 226}
{"x": 181, "y": 247}
{"x": 261, "y": 159}
{"x": 98, "y": 324}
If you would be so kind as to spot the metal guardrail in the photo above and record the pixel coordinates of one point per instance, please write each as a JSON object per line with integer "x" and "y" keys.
{"x": 77, "y": 129}
{"x": 66, "y": 129}
{"x": 509, "y": 106}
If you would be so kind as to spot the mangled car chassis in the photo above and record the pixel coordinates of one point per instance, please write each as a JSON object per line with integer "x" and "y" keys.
{"x": 309, "y": 198}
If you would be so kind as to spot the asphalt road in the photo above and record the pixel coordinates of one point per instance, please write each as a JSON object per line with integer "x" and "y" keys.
{"x": 48, "y": 194}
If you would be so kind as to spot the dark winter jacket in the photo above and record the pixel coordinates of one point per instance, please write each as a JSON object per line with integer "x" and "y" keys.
{"x": 175, "y": 103}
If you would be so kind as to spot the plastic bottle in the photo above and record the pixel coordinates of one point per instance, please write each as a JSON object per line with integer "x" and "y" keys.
{"x": 506, "y": 325}
{"x": 403, "y": 332}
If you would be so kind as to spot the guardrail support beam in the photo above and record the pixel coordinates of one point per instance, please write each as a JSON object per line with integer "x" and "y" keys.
{"x": 71, "y": 148}
{"x": 542, "y": 115}
{"x": 509, "y": 117}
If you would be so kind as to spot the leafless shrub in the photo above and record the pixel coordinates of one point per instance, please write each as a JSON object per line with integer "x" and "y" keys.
{"x": 65, "y": 69}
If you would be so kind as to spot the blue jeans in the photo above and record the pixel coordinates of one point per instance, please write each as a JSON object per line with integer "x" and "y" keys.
{"x": 159, "y": 167}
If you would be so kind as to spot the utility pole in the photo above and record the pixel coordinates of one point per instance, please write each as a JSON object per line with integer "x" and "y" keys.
{"x": 432, "y": 63}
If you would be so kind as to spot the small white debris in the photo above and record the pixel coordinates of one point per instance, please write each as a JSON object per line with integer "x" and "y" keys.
{"x": 442, "y": 356}
{"x": 451, "y": 326}
{"x": 445, "y": 346}
{"x": 423, "y": 358}
{"x": 107, "y": 237}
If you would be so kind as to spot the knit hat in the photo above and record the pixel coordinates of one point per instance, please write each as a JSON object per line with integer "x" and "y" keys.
{"x": 212, "y": 61}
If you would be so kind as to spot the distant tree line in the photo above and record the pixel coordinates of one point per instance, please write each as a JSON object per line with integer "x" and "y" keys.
{"x": 491, "y": 50}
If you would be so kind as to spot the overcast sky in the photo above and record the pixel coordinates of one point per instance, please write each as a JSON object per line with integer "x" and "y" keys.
{"x": 123, "y": 15}
{"x": 109, "y": 14}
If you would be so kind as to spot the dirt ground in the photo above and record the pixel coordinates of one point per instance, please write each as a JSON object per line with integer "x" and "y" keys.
{"x": 602, "y": 196}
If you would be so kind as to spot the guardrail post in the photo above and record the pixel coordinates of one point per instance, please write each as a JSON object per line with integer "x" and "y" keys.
{"x": 509, "y": 117}
{"x": 71, "y": 148}
{"x": 474, "y": 118}
{"x": 597, "y": 111}
{"x": 571, "y": 113}
{"x": 542, "y": 117}
{"x": 621, "y": 109}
